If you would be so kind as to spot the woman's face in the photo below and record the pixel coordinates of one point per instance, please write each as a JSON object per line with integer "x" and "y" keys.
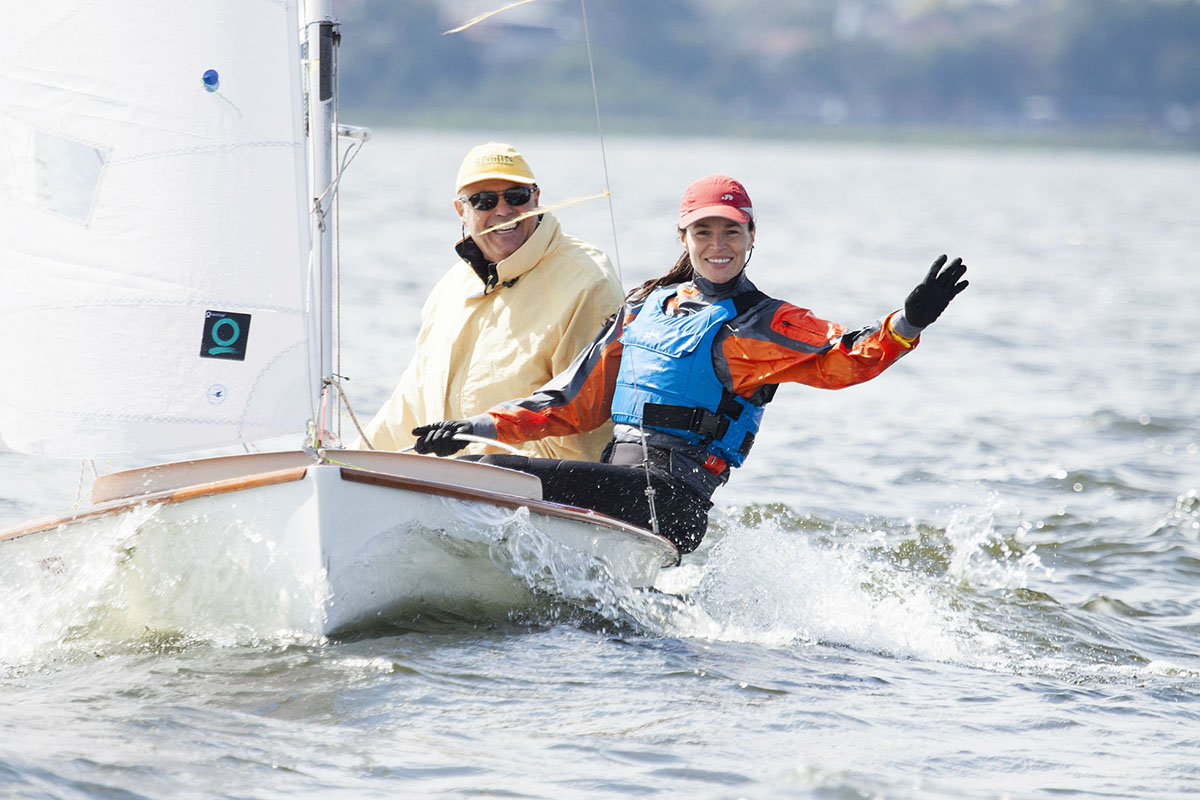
{"x": 718, "y": 247}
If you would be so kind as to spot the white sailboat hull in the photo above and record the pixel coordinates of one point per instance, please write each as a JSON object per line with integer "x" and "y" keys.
{"x": 277, "y": 542}
{"x": 169, "y": 188}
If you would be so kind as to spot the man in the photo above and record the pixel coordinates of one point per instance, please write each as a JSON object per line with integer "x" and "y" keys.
{"x": 521, "y": 302}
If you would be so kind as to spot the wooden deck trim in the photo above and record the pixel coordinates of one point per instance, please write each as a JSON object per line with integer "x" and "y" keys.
{"x": 160, "y": 498}
{"x": 175, "y": 475}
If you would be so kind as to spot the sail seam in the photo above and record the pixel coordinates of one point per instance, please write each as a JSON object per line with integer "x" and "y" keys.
{"x": 62, "y": 414}
{"x": 207, "y": 303}
{"x": 180, "y": 151}
{"x": 254, "y": 386}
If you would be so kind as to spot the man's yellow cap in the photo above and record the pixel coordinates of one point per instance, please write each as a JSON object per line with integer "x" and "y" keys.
{"x": 493, "y": 160}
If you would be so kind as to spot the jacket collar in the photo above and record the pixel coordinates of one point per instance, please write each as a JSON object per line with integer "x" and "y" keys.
{"x": 505, "y": 273}
{"x": 716, "y": 292}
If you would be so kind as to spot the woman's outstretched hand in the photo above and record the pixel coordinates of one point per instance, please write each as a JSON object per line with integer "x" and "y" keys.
{"x": 438, "y": 438}
{"x": 927, "y": 302}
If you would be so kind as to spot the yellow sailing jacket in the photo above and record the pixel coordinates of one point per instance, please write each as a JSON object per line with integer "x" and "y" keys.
{"x": 480, "y": 346}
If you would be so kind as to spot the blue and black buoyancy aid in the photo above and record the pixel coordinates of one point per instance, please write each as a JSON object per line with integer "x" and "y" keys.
{"x": 667, "y": 381}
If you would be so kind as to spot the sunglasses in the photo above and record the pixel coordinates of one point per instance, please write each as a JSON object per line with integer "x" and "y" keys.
{"x": 516, "y": 196}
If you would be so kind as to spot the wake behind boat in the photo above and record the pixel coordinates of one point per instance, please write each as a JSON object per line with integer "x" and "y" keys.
{"x": 170, "y": 191}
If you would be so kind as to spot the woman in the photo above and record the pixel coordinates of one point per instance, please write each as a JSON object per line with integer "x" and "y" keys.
{"x": 684, "y": 369}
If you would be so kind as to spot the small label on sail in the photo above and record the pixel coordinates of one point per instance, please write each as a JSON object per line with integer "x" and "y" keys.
{"x": 225, "y": 335}
{"x": 50, "y": 172}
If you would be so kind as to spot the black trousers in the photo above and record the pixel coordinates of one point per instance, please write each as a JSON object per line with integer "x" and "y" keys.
{"x": 618, "y": 491}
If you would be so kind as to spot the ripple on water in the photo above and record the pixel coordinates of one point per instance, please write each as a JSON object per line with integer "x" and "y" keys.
{"x": 1118, "y": 425}
{"x": 1183, "y": 519}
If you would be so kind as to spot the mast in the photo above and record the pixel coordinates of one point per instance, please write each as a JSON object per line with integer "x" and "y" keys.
{"x": 320, "y": 35}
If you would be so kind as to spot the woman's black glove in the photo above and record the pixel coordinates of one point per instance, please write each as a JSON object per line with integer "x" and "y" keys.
{"x": 438, "y": 438}
{"x": 927, "y": 302}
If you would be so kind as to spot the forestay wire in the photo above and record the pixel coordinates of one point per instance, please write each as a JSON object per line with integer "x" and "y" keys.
{"x": 612, "y": 217}
{"x": 587, "y": 38}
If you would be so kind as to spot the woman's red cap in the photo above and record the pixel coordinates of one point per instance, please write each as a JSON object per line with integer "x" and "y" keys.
{"x": 715, "y": 196}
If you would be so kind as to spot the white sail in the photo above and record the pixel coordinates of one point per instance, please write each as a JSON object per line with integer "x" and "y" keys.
{"x": 154, "y": 236}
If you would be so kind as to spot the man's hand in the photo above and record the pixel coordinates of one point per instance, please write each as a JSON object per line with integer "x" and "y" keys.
{"x": 438, "y": 438}
{"x": 927, "y": 302}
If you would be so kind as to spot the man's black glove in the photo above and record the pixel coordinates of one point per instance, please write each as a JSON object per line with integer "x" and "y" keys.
{"x": 927, "y": 302}
{"x": 438, "y": 438}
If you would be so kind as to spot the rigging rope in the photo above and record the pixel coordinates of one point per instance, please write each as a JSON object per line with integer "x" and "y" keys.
{"x": 336, "y": 383}
{"x": 538, "y": 210}
{"x": 482, "y": 17}
{"x": 470, "y": 437}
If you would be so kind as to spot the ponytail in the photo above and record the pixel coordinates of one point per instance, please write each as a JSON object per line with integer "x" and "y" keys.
{"x": 682, "y": 272}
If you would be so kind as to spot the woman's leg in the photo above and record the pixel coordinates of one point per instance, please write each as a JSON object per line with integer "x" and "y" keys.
{"x": 618, "y": 491}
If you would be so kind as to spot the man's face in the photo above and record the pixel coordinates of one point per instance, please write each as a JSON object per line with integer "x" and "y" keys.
{"x": 509, "y": 236}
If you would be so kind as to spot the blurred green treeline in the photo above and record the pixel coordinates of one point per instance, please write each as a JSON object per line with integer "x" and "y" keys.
{"x": 727, "y": 66}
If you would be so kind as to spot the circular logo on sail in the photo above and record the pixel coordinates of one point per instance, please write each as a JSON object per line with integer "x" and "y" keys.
{"x": 225, "y": 335}
{"x": 216, "y": 394}
{"x": 225, "y": 332}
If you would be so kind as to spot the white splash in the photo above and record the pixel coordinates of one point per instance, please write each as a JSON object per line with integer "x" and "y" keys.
{"x": 122, "y": 581}
{"x": 986, "y": 557}
{"x": 774, "y": 586}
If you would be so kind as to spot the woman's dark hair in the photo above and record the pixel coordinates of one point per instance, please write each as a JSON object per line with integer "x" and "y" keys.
{"x": 682, "y": 272}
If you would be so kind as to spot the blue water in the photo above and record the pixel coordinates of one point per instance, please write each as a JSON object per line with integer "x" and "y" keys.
{"x": 976, "y": 576}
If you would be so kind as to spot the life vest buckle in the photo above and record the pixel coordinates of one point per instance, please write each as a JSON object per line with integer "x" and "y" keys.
{"x": 715, "y": 464}
{"x": 707, "y": 424}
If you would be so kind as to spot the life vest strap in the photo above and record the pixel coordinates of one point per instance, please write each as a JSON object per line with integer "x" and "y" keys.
{"x": 696, "y": 420}
{"x": 728, "y": 407}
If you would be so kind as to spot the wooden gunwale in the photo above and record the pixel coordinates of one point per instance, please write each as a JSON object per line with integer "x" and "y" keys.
{"x": 160, "y": 498}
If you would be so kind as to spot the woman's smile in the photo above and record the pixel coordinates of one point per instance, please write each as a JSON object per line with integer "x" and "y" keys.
{"x": 718, "y": 247}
